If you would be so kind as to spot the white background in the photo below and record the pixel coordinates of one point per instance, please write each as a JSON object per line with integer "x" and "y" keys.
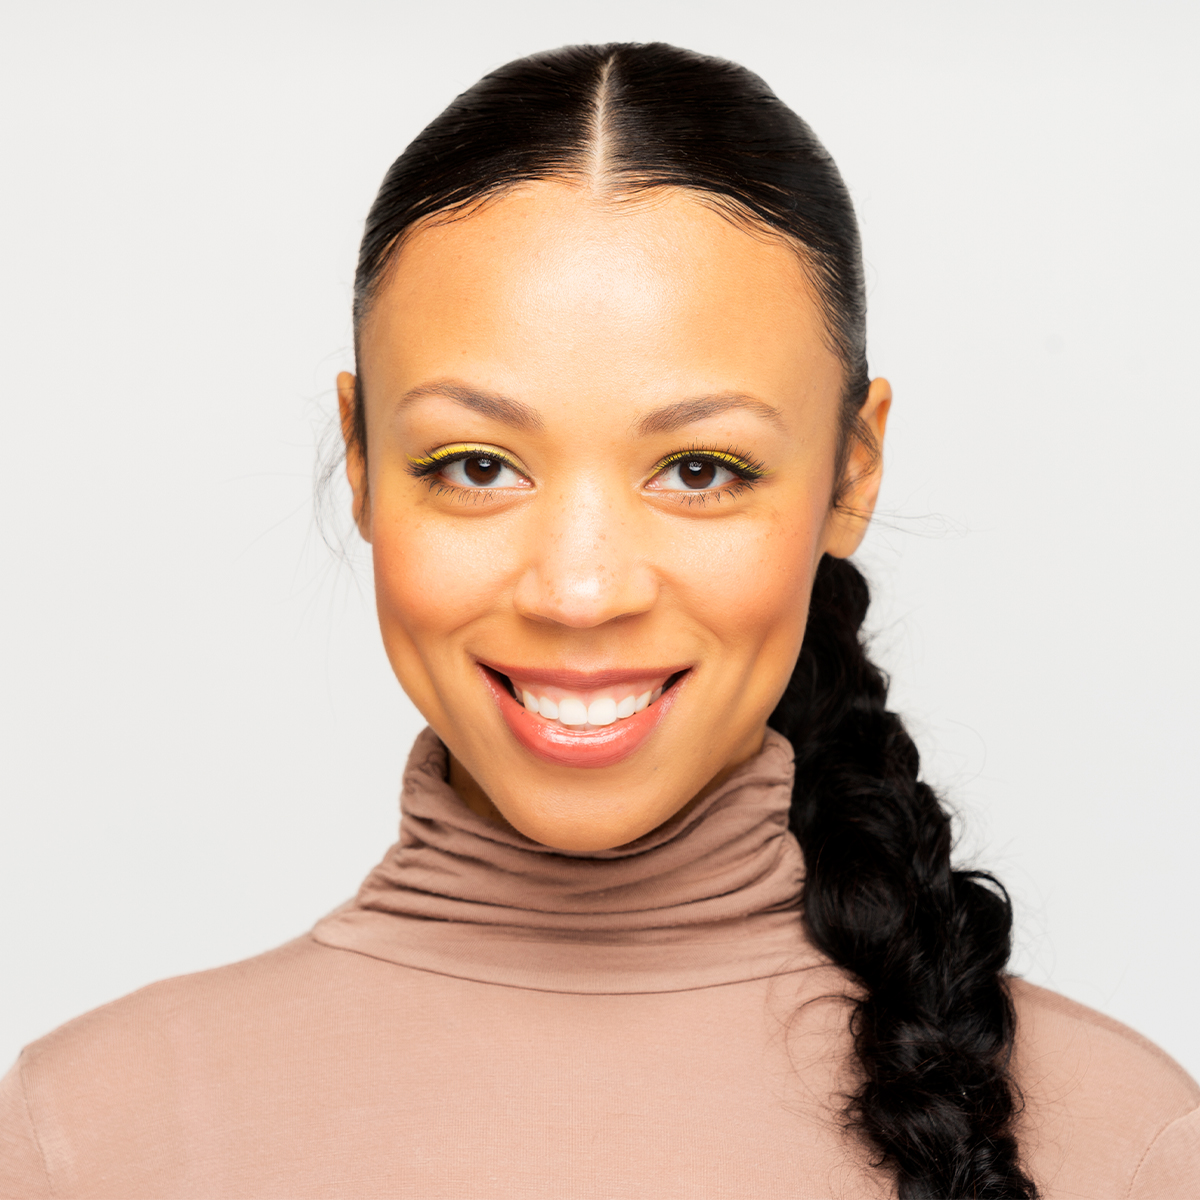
{"x": 202, "y": 741}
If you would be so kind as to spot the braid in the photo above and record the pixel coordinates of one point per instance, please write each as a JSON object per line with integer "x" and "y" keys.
{"x": 934, "y": 1028}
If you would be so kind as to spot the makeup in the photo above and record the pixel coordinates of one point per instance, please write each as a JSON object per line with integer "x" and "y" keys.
{"x": 470, "y": 467}
{"x": 592, "y": 720}
{"x": 424, "y": 464}
{"x": 742, "y": 465}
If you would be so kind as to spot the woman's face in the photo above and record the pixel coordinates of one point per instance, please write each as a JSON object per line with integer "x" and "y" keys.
{"x": 601, "y": 440}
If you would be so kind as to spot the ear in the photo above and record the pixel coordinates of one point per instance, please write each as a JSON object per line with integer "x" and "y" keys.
{"x": 356, "y": 465}
{"x": 847, "y": 523}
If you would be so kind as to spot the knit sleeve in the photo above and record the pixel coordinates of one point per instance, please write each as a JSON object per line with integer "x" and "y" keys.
{"x": 1171, "y": 1168}
{"x": 22, "y": 1168}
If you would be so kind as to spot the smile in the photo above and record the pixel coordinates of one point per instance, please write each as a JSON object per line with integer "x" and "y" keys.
{"x": 578, "y": 719}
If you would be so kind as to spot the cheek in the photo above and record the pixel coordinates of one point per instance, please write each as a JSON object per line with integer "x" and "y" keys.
{"x": 749, "y": 582}
{"x": 434, "y": 576}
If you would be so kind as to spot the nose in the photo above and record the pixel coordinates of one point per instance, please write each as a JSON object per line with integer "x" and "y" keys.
{"x": 586, "y": 560}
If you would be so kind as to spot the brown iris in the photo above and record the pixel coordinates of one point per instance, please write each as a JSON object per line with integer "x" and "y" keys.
{"x": 482, "y": 469}
{"x": 698, "y": 472}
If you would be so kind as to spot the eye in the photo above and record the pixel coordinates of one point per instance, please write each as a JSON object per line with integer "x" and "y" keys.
{"x": 481, "y": 471}
{"x": 694, "y": 473}
{"x": 471, "y": 467}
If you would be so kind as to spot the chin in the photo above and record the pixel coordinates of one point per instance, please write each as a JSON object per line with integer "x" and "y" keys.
{"x": 583, "y": 815}
{"x": 576, "y": 835}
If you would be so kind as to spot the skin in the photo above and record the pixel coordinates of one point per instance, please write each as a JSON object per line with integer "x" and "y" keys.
{"x": 590, "y": 313}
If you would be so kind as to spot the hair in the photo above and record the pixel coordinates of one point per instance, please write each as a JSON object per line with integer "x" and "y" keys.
{"x": 932, "y": 1020}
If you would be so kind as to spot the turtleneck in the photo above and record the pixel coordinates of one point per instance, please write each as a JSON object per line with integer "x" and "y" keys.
{"x": 492, "y": 1017}
{"x": 711, "y": 896}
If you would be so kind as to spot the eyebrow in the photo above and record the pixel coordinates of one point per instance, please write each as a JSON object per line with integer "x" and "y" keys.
{"x": 666, "y": 419}
{"x": 675, "y": 416}
{"x": 490, "y": 404}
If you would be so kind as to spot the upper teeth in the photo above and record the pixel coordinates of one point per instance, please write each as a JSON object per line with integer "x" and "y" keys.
{"x": 588, "y": 708}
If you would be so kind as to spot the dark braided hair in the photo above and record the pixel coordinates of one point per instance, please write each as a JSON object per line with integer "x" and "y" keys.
{"x": 927, "y": 945}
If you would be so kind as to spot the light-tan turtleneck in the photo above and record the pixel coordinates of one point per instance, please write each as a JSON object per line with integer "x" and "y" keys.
{"x": 490, "y": 1019}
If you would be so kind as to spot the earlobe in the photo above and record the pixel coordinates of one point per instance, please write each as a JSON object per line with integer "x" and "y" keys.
{"x": 356, "y": 467}
{"x": 848, "y": 521}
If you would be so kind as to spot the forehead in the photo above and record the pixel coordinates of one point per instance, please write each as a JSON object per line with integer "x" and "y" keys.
{"x": 552, "y": 283}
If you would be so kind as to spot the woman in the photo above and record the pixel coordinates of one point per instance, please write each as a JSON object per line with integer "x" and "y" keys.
{"x": 671, "y": 913}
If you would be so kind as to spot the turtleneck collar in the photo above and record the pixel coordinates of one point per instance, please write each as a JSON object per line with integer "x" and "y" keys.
{"x": 711, "y": 896}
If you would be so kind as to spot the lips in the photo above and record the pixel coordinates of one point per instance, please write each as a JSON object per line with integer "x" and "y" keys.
{"x": 592, "y": 720}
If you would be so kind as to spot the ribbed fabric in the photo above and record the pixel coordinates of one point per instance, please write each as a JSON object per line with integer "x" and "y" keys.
{"x": 491, "y": 1018}
{"x": 710, "y": 897}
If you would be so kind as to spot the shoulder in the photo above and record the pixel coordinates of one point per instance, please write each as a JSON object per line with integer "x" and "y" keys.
{"x": 1171, "y": 1164}
{"x": 126, "y": 1094}
{"x": 1099, "y": 1098}
{"x": 22, "y": 1165}
{"x": 206, "y": 1009}
{"x": 181, "y": 1036}
{"x": 1057, "y": 1035}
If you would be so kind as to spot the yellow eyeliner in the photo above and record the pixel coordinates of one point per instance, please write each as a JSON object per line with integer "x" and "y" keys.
{"x": 425, "y": 463}
{"x": 457, "y": 450}
{"x": 722, "y": 456}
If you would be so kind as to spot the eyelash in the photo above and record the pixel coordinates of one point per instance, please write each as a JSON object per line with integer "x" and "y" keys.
{"x": 747, "y": 470}
{"x": 431, "y": 463}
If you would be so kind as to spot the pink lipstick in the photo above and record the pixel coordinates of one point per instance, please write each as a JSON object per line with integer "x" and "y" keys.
{"x": 578, "y": 719}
